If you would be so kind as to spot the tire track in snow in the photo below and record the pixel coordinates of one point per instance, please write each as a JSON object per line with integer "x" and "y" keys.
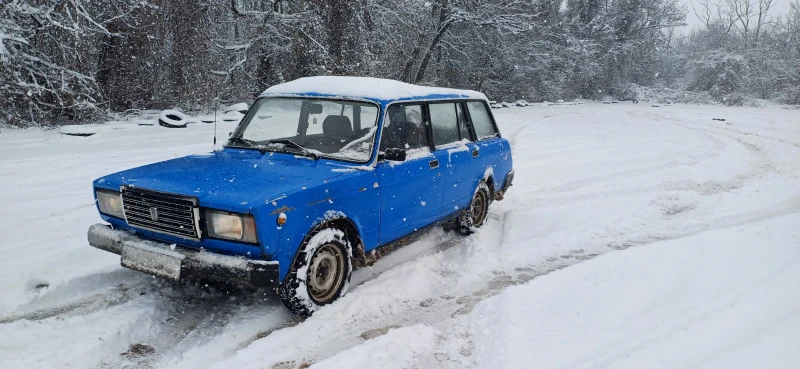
{"x": 80, "y": 296}
{"x": 193, "y": 319}
{"x": 195, "y": 312}
{"x": 718, "y": 148}
{"x": 436, "y": 310}
{"x": 763, "y": 164}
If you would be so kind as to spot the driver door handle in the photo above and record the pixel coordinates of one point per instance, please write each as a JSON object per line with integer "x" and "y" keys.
{"x": 475, "y": 153}
{"x": 434, "y": 164}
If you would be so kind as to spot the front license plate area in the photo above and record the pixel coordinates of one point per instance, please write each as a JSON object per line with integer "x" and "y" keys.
{"x": 153, "y": 261}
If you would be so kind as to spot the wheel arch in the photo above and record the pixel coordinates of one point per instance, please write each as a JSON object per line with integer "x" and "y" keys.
{"x": 487, "y": 177}
{"x": 490, "y": 183}
{"x": 343, "y": 224}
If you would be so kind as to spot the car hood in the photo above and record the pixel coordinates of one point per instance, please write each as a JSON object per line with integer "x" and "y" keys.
{"x": 231, "y": 179}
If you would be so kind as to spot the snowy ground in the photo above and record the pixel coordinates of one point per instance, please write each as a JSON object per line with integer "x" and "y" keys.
{"x": 635, "y": 237}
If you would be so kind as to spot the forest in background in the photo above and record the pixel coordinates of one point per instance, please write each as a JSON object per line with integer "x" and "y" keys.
{"x": 72, "y": 61}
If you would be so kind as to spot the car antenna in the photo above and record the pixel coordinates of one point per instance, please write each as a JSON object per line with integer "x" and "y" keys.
{"x": 216, "y": 108}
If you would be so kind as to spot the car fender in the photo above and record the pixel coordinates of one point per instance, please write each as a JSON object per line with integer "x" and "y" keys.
{"x": 347, "y": 201}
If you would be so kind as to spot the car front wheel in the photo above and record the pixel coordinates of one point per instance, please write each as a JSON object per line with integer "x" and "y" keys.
{"x": 320, "y": 274}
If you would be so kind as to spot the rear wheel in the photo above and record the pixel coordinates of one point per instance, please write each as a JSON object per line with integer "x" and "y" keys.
{"x": 475, "y": 215}
{"x": 320, "y": 274}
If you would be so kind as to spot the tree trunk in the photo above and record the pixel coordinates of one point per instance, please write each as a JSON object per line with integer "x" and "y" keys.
{"x": 427, "y": 58}
{"x": 406, "y": 77}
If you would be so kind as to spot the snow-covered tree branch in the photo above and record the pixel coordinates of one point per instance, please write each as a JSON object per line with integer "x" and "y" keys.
{"x": 68, "y": 60}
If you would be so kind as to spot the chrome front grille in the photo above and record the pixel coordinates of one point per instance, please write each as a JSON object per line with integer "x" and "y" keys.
{"x": 160, "y": 212}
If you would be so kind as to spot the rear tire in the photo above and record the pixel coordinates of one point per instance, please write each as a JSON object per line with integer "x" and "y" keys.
{"x": 320, "y": 273}
{"x": 475, "y": 214}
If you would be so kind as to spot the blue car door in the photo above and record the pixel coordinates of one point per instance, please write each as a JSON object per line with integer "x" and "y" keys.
{"x": 411, "y": 190}
{"x": 493, "y": 149}
{"x": 457, "y": 151}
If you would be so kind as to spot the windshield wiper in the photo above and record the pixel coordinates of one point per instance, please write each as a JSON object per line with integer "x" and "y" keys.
{"x": 248, "y": 144}
{"x": 239, "y": 140}
{"x": 296, "y": 146}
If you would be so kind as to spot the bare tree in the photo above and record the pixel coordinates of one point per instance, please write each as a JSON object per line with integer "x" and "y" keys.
{"x": 714, "y": 14}
{"x": 764, "y": 7}
{"x": 45, "y": 49}
{"x": 70, "y": 60}
{"x": 748, "y": 11}
{"x": 509, "y": 16}
{"x": 743, "y": 11}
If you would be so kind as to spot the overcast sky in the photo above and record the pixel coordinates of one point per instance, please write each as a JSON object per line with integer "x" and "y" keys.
{"x": 780, "y": 9}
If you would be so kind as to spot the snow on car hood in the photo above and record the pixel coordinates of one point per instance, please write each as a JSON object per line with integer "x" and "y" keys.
{"x": 231, "y": 179}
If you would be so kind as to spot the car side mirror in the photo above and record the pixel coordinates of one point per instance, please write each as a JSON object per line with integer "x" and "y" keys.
{"x": 394, "y": 154}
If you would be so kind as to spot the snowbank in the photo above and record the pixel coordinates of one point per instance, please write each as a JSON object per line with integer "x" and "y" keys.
{"x": 664, "y": 95}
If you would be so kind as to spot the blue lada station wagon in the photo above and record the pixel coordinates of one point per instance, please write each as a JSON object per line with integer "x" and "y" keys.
{"x": 322, "y": 175}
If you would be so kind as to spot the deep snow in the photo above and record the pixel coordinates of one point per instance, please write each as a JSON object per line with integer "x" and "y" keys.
{"x": 635, "y": 237}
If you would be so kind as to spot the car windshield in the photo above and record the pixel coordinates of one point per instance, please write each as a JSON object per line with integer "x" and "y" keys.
{"x": 337, "y": 129}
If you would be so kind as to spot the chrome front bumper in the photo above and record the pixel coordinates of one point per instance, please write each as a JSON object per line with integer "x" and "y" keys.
{"x": 159, "y": 259}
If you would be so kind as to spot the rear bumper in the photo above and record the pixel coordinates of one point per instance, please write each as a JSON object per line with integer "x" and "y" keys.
{"x": 159, "y": 259}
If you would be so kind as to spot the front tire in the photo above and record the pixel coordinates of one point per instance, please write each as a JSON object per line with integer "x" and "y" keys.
{"x": 320, "y": 273}
{"x": 475, "y": 214}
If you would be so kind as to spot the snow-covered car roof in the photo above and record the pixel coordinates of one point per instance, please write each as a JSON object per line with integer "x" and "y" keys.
{"x": 366, "y": 88}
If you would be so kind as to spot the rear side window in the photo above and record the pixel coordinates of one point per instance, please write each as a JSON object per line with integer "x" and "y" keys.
{"x": 403, "y": 128}
{"x": 481, "y": 120}
{"x": 444, "y": 119}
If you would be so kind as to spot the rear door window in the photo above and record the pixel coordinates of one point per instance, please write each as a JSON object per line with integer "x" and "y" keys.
{"x": 444, "y": 120}
{"x": 481, "y": 120}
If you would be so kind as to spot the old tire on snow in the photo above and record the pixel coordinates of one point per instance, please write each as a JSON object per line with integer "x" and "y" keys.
{"x": 320, "y": 273}
{"x": 239, "y": 108}
{"x": 475, "y": 214}
{"x": 172, "y": 119}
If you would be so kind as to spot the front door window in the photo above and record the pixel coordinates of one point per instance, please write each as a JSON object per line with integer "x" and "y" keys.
{"x": 404, "y": 128}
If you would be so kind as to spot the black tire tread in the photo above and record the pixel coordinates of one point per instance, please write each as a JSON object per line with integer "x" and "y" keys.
{"x": 287, "y": 290}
